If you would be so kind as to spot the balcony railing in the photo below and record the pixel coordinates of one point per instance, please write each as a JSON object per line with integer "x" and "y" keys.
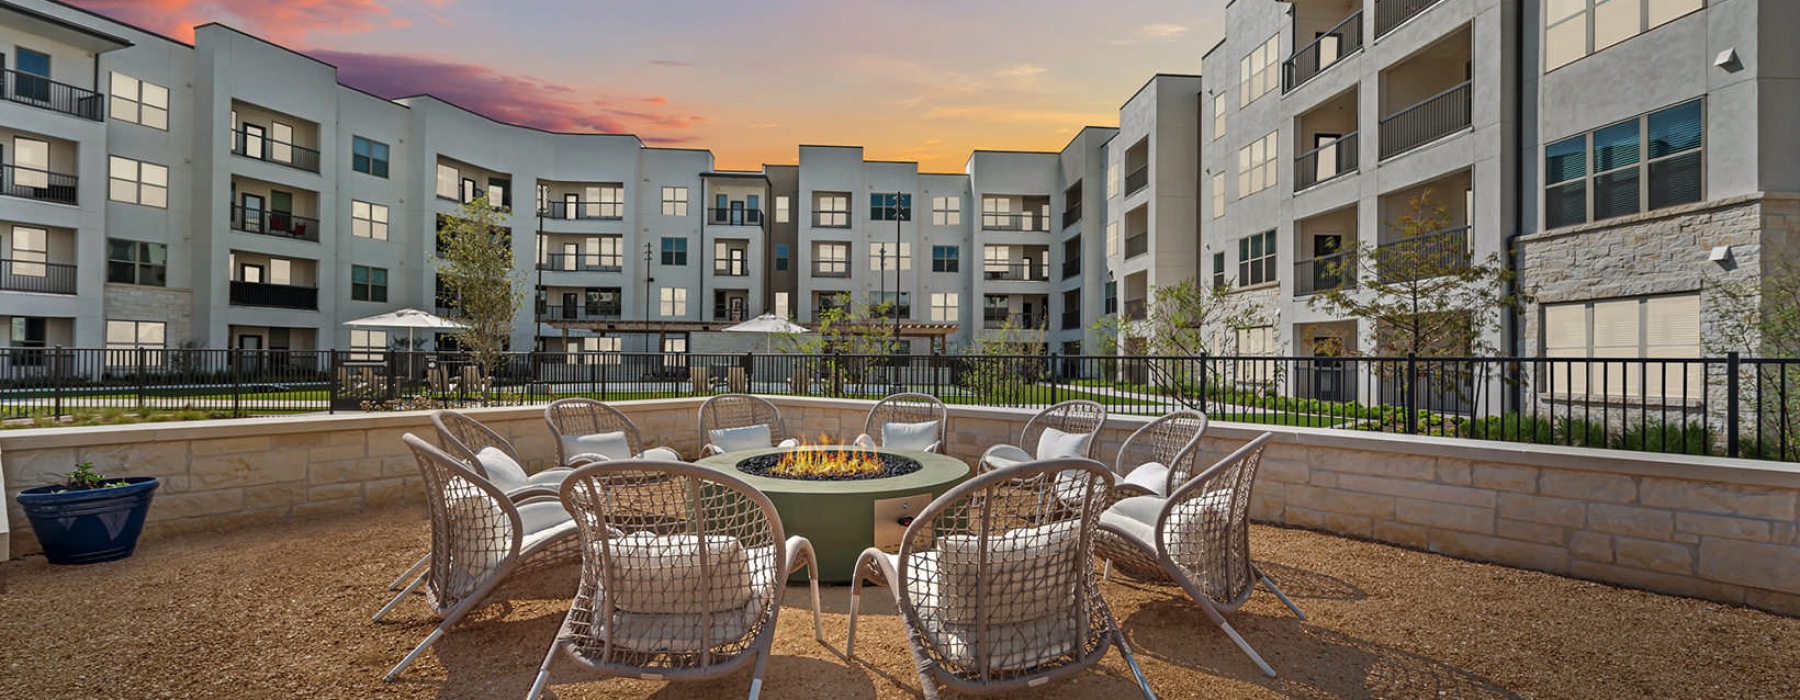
{"x": 580, "y": 262}
{"x": 580, "y": 312}
{"x": 1137, "y": 180}
{"x": 731, "y": 268}
{"x": 734, "y": 217}
{"x": 280, "y": 296}
{"x": 998, "y": 318}
{"x": 1437, "y": 254}
{"x": 1134, "y": 309}
{"x": 1326, "y": 162}
{"x": 1072, "y": 215}
{"x": 1071, "y": 267}
{"x": 31, "y": 183}
{"x": 39, "y": 91}
{"x": 1391, "y": 13}
{"x": 831, "y": 219}
{"x": 1020, "y": 271}
{"x": 579, "y": 210}
{"x": 830, "y": 268}
{"x": 1324, "y": 52}
{"x": 1071, "y": 319}
{"x": 265, "y": 148}
{"x": 1334, "y": 271}
{"x": 39, "y": 277}
{"x": 274, "y": 223}
{"x": 726, "y": 313}
{"x": 1014, "y": 221}
{"x": 1137, "y": 244}
{"x": 1436, "y": 117}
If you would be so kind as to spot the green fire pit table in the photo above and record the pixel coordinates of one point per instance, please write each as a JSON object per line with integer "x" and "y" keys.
{"x": 842, "y": 518}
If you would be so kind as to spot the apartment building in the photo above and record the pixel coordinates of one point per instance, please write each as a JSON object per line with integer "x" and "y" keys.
{"x": 1152, "y": 232}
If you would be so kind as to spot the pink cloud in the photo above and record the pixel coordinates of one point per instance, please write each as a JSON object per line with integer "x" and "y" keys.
{"x": 281, "y": 21}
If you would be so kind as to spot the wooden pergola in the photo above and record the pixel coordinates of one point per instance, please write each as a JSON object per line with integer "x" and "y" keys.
{"x": 936, "y": 333}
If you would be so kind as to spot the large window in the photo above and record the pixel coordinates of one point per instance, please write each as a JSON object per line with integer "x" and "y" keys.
{"x": 1112, "y": 238}
{"x": 612, "y": 251}
{"x": 674, "y": 251}
{"x": 131, "y": 335}
{"x": 783, "y": 207}
{"x": 831, "y": 209}
{"x": 449, "y": 182}
{"x": 369, "y": 157}
{"x": 946, "y": 258}
{"x": 1218, "y": 270}
{"x": 1218, "y": 195}
{"x": 1256, "y": 165}
{"x": 137, "y": 182}
{"x": 139, "y": 102}
{"x": 368, "y": 220}
{"x": 368, "y": 283}
{"x": 30, "y": 250}
{"x": 1576, "y": 28}
{"x": 1641, "y": 164}
{"x": 136, "y": 262}
{"x": 608, "y": 202}
{"x": 883, "y": 256}
{"x": 946, "y": 211}
{"x": 831, "y": 259}
{"x": 946, "y": 306}
{"x": 674, "y": 301}
{"x": 1256, "y": 259}
{"x": 675, "y": 201}
{"x": 1218, "y": 116}
{"x": 367, "y": 345}
{"x": 1661, "y": 327}
{"x": 902, "y": 303}
{"x": 781, "y": 257}
{"x": 997, "y": 213}
{"x": 890, "y": 206}
{"x": 1256, "y": 72}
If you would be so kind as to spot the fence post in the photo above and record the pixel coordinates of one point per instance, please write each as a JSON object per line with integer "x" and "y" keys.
{"x": 1410, "y": 386}
{"x": 1205, "y": 387}
{"x": 1054, "y": 369}
{"x": 56, "y": 378}
{"x": 1731, "y": 403}
{"x": 140, "y": 379}
{"x": 331, "y": 384}
{"x": 237, "y": 385}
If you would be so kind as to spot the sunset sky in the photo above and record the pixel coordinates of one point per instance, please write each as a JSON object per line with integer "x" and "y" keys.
{"x": 925, "y": 80}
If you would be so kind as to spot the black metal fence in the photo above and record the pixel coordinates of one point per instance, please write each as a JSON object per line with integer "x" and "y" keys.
{"x": 1731, "y": 406}
{"x": 1429, "y": 120}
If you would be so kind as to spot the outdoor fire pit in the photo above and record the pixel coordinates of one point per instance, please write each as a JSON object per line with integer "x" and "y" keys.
{"x": 844, "y": 512}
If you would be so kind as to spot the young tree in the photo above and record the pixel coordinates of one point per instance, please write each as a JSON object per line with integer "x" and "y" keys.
{"x": 1181, "y": 321}
{"x": 848, "y": 334}
{"x": 1004, "y": 361}
{"x": 486, "y": 292}
{"x": 1761, "y": 318}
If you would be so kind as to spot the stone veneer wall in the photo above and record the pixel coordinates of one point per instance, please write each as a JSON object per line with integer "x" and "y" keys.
{"x": 130, "y": 302}
{"x": 1714, "y": 528}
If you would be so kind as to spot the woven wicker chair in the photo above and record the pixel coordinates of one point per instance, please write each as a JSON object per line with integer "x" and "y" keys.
{"x": 1159, "y": 456}
{"x": 1198, "y": 537}
{"x": 903, "y": 410}
{"x": 478, "y": 538}
{"x": 996, "y": 585}
{"x": 573, "y": 419}
{"x": 1069, "y": 417}
{"x": 731, "y": 411}
{"x": 693, "y": 598}
{"x": 466, "y": 438}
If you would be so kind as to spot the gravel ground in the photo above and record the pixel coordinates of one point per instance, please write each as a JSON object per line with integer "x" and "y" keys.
{"x": 283, "y": 611}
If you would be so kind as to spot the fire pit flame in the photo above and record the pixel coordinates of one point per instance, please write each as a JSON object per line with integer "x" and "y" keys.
{"x": 844, "y": 461}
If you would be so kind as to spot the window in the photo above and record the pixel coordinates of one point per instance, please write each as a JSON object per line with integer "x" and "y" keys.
{"x": 946, "y": 307}
{"x": 30, "y": 250}
{"x": 890, "y": 206}
{"x": 134, "y": 262}
{"x": 1218, "y": 195}
{"x": 139, "y": 102}
{"x": 1256, "y": 165}
{"x": 1218, "y": 124}
{"x": 675, "y": 201}
{"x": 369, "y": 157}
{"x": 996, "y": 261}
{"x": 1112, "y": 238}
{"x": 132, "y": 335}
{"x": 1666, "y": 327}
{"x": 368, "y": 220}
{"x": 608, "y": 201}
{"x": 1218, "y": 271}
{"x": 946, "y": 258}
{"x": 612, "y": 252}
{"x": 1256, "y": 72}
{"x": 1641, "y": 164}
{"x": 467, "y": 193}
{"x": 31, "y": 163}
{"x": 1112, "y": 298}
{"x": 783, "y": 205}
{"x": 673, "y": 349}
{"x": 1256, "y": 259}
{"x": 902, "y": 303}
{"x": 730, "y": 259}
{"x": 367, "y": 345}
{"x": 831, "y": 260}
{"x": 1576, "y": 28}
{"x": 136, "y": 182}
{"x": 946, "y": 211}
{"x": 781, "y": 257}
{"x": 996, "y": 213}
{"x": 674, "y": 301}
{"x": 368, "y": 283}
{"x": 831, "y": 209}
{"x": 32, "y": 63}
{"x": 882, "y": 256}
{"x": 1112, "y": 179}
{"x": 674, "y": 251}
{"x": 781, "y": 305}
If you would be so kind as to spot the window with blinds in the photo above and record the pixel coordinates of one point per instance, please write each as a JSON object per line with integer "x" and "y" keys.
{"x": 1641, "y": 164}
{"x": 1655, "y": 333}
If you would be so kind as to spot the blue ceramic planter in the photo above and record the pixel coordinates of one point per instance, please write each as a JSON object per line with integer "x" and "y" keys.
{"x": 89, "y": 526}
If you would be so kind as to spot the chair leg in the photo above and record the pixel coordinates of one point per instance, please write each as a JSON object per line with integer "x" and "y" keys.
{"x": 1132, "y": 663}
{"x": 416, "y": 568}
{"x": 420, "y": 649}
{"x": 1283, "y": 596}
{"x": 385, "y": 609}
{"x": 543, "y": 674}
{"x": 1239, "y": 640}
{"x": 855, "y": 607}
{"x": 812, "y": 575}
{"x": 756, "y": 676}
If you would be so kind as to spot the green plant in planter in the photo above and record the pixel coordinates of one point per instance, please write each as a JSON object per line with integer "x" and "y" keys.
{"x": 85, "y": 478}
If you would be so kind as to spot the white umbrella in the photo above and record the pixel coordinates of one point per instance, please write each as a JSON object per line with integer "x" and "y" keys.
{"x": 769, "y": 324}
{"x": 410, "y": 319}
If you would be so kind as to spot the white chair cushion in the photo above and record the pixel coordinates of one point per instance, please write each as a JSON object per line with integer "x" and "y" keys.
{"x": 611, "y": 445}
{"x": 552, "y": 477}
{"x": 909, "y": 436}
{"x": 662, "y": 574}
{"x": 1031, "y": 572}
{"x": 1055, "y": 443}
{"x": 661, "y": 453}
{"x": 1015, "y": 647}
{"x": 479, "y": 538}
{"x": 1001, "y": 456}
{"x": 540, "y": 516}
{"x": 749, "y": 437}
{"x": 1150, "y": 476}
{"x": 501, "y": 468}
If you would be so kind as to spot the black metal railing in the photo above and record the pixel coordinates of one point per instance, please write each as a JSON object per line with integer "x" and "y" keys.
{"x": 34, "y": 276}
{"x": 39, "y": 91}
{"x": 581, "y": 312}
{"x": 280, "y": 296}
{"x": 1137, "y": 180}
{"x": 274, "y": 223}
{"x": 1327, "y": 162}
{"x": 32, "y": 183}
{"x": 1071, "y": 268}
{"x": 1391, "y": 13}
{"x": 1135, "y": 309}
{"x": 580, "y": 262}
{"x": 266, "y": 148}
{"x": 830, "y": 268}
{"x": 734, "y": 216}
{"x": 580, "y": 210}
{"x": 831, "y": 219}
{"x": 1015, "y": 271}
{"x": 1335, "y": 271}
{"x": 726, "y": 313}
{"x": 1014, "y": 221}
{"x": 1429, "y": 255}
{"x": 1137, "y": 244}
{"x": 1429, "y": 120}
{"x": 1072, "y": 214}
{"x": 993, "y": 319}
{"x": 1324, "y": 52}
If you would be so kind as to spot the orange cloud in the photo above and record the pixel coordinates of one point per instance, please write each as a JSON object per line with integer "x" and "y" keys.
{"x": 281, "y": 21}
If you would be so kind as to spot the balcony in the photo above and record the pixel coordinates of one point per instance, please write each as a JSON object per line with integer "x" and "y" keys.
{"x": 1071, "y": 268}
{"x": 1335, "y": 271}
{"x": 1071, "y": 320}
{"x": 1392, "y": 13}
{"x": 267, "y": 149}
{"x": 1020, "y": 271}
{"x": 580, "y": 312}
{"x": 274, "y": 223}
{"x": 1010, "y": 221}
{"x": 830, "y": 268}
{"x": 994, "y": 319}
{"x": 41, "y": 185}
{"x": 1135, "y": 309}
{"x": 39, "y": 91}
{"x": 1429, "y": 120}
{"x": 831, "y": 219}
{"x": 736, "y": 216}
{"x": 1137, "y": 244}
{"x": 1441, "y": 253}
{"x": 732, "y": 268}
{"x": 1072, "y": 215}
{"x": 1327, "y": 162}
{"x": 581, "y": 210}
{"x": 1137, "y": 180}
{"x": 279, "y": 296}
{"x": 1324, "y": 52}
{"x": 36, "y": 277}
{"x": 726, "y": 313}
{"x": 580, "y": 262}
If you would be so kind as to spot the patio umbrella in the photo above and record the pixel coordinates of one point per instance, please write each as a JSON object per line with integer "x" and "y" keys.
{"x": 410, "y": 319}
{"x": 768, "y": 324}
